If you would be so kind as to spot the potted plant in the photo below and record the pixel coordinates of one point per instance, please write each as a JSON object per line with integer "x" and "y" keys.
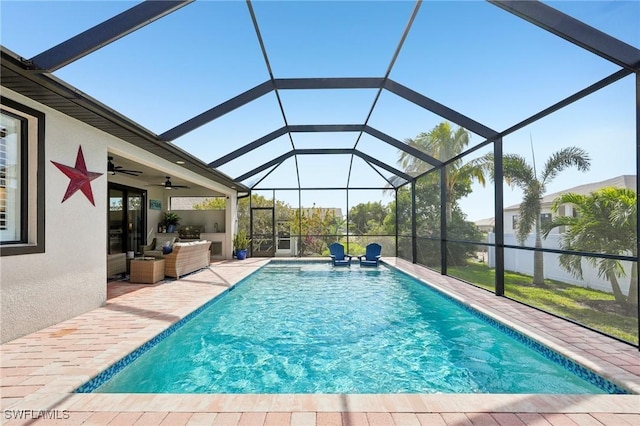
{"x": 171, "y": 220}
{"x": 241, "y": 244}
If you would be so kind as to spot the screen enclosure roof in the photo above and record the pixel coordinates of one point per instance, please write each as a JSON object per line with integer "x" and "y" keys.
{"x": 269, "y": 94}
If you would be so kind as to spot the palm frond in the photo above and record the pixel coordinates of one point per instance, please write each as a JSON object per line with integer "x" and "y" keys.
{"x": 567, "y": 198}
{"x": 555, "y": 223}
{"x": 516, "y": 171}
{"x": 566, "y": 157}
{"x": 572, "y": 264}
{"x": 529, "y": 214}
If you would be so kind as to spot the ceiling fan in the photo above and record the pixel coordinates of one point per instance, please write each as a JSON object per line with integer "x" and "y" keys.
{"x": 113, "y": 169}
{"x": 168, "y": 185}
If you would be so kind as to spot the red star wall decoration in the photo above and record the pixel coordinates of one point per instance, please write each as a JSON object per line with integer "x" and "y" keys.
{"x": 80, "y": 177}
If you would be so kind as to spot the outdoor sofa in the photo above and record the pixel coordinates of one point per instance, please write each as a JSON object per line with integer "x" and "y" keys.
{"x": 186, "y": 258}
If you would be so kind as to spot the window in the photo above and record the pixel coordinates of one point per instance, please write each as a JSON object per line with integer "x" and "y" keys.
{"x": 545, "y": 218}
{"x": 21, "y": 179}
{"x": 11, "y": 129}
{"x": 198, "y": 203}
{"x": 514, "y": 221}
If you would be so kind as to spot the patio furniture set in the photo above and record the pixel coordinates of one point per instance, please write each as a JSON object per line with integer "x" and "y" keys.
{"x": 370, "y": 258}
{"x": 163, "y": 257}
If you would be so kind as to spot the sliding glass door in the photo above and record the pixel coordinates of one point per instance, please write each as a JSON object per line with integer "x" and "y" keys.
{"x": 127, "y": 219}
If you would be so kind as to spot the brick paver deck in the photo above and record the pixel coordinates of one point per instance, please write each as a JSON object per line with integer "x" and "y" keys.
{"x": 39, "y": 371}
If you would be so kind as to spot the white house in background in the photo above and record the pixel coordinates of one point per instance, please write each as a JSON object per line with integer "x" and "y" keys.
{"x": 522, "y": 260}
{"x": 486, "y": 225}
{"x": 511, "y": 213}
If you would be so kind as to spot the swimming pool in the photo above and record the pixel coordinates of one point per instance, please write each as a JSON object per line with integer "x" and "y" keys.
{"x": 310, "y": 328}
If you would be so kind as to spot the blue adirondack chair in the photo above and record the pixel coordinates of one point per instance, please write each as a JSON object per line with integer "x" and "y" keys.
{"x": 371, "y": 256}
{"x": 338, "y": 257}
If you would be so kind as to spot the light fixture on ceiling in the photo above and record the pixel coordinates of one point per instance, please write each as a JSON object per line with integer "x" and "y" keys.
{"x": 179, "y": 162}
{"x": 169, "y": 185}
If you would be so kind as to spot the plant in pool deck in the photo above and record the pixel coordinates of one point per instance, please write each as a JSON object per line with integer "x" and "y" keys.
{"x": 171, "y": 220}
{"x": 241, "y": 244}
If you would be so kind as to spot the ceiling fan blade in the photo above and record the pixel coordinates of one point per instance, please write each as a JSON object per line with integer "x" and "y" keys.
{"x": 113, "y": 169}
{"x": 129, "y": 172}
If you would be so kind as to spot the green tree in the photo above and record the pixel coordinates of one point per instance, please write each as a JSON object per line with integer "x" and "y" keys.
{"x": 364, "y": 217}
{"x": 444, "y": 143}
{"x": 338, "y": 226}
{"x": 606, "y": 223}
{"x": 518, "y": 173}
{"x": 317, "y": 225}
{"x": 428, "y": 224}
{"x": 214, "y": 203}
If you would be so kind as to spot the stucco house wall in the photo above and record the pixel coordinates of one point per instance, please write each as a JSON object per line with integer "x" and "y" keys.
{"x": 68, "y": 279}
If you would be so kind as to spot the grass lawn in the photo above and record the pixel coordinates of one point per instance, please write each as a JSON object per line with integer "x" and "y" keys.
{"x": 592, "y": 308}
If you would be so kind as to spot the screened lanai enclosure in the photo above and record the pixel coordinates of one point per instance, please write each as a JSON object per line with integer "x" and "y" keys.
{"x": 495, "y": 142}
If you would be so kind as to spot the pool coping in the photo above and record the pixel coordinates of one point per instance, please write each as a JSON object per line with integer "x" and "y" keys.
{"x": 41, "y": 370}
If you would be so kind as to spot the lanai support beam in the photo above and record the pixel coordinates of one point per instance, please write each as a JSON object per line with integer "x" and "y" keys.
{"x": 265, "y": 166}
{"x": 328, "y": 128}
{"x": 439, "y": 109}
{"x": 328, "y": 83}
{"x": 326, "y": 151}
{"x": 382, "y": 165}
{"x": 217, "y": 111}
{"x": 104, "y": 33}
{"x": 402, "y": 146}
{"x": 311, "y": 128}
{"x": 249, "y": 147}
{"x": 498, "y": 183}
{"x": 574, "y": 31}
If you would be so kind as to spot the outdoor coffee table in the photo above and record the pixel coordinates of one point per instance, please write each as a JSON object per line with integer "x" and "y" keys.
{"x": 147, "y": 270}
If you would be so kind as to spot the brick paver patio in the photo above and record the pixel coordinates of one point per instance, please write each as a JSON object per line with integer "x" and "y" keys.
{"x": 39, "y": 371}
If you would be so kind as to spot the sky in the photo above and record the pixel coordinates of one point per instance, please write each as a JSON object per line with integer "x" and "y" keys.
{"x": 468, "y": 55}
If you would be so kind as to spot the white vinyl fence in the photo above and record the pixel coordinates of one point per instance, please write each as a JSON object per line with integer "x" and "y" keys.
{"x": 522, "y": 261}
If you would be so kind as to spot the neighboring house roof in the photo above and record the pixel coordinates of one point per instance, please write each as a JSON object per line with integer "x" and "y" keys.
{"x": 623, "y": 181}
{"x": 490, "y": 221}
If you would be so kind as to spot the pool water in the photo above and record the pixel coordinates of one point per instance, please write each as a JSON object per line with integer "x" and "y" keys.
{"x": 312, "y": 328}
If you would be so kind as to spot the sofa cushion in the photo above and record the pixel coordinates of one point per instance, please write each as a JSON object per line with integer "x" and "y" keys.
{"x": 162, "y": 240}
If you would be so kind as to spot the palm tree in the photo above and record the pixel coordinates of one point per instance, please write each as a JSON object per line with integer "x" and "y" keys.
{"x": 517, "y": 172}
{"x": 606, "y": 223}
{"x": 444, "y": 143}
